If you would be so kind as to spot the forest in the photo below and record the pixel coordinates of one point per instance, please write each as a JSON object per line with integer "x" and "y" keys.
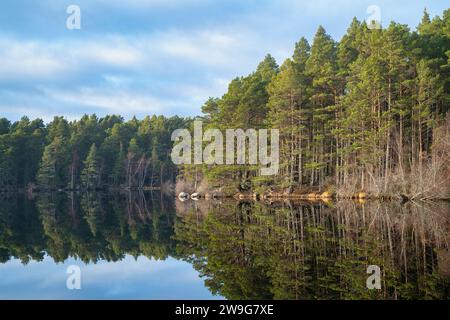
{"x": 88, "y": 154}
{"x": 368, "y": 113}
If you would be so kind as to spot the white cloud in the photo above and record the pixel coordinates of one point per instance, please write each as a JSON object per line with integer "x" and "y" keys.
{"x": 212, "y": 48}
{"x": 117, "y": 80}
{"x": 29, "y": 59}
{"x": 112, "y": 101}
{"x": 158, "y": 51}
{"x": 200, "y": 93}
{"x": 112, "y": 52}
{"x": 22, "y": 59}
{"x": 164, "y": 72}
{"x": 199, "y": 64}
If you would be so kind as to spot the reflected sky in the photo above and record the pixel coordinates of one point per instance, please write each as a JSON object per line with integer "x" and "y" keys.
{"x": 243, "y": 250}
{"x": 130, "y": 278}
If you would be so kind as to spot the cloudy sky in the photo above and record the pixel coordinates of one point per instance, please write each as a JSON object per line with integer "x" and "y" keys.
{"x": 140, "y": 57}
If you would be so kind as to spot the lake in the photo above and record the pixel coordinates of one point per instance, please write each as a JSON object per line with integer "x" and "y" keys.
{"x": 149, "y": 246}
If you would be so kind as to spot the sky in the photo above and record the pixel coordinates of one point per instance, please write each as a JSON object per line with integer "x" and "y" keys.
{"x": 145, "y": 57}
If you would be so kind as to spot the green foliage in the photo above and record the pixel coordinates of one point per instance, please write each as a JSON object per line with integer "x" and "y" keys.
{"x": 350, "y": 113}
{"x": 89, "y": 153}
{"x": 90, "y": 176}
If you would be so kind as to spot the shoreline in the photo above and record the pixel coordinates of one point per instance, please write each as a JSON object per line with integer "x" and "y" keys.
{"x": 328, "y": 197}
{"x": 254, "y": 196}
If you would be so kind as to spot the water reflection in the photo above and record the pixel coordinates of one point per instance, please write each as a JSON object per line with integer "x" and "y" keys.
{"x": 244, "y": 250}
{"x": 292, "y": 250}
{"x": 91, "y": 227}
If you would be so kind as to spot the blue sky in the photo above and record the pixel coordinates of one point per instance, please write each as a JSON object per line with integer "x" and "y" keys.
{"x": 141, "y": 57}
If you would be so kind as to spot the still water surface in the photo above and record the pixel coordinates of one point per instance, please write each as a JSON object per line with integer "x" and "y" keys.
{"x": 147, "y": 246}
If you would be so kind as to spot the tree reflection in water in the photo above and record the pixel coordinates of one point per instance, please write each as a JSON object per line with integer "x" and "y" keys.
{"x": 91, "y": 227}
{"x": 245, "y": 250}
{"x": 292, "y": 250}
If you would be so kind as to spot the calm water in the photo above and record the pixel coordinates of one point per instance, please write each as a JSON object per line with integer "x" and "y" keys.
{"x": 145, "y": 246}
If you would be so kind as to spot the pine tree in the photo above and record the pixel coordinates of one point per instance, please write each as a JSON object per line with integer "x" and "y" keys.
{"x": 52, "y": 173}
{"x": 118, "y": 170}
{"x": 5, "y": 126}
{"x": 322, "y": 68}
{"x": 287, "y": 112}
{"x": 429, "y": 89}
{"x": 90, "y": 176}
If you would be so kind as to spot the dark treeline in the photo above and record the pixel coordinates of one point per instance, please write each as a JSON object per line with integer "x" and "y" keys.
{"x": 90, "y": 153}
{"x": 367, "y": 113}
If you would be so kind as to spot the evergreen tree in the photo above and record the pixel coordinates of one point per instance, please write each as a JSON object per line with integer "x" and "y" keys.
{"x": 288, "y": 113}
{"x": 52, "y": 173}
{"x": 322, "y": 68}
{"x": 90, "y": 176}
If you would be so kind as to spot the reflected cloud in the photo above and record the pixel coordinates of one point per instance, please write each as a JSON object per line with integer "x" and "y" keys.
{"x": 130, "y": 278}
